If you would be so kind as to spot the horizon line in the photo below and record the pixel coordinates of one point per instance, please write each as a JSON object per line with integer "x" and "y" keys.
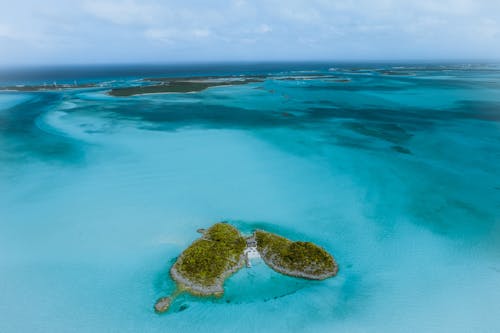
{"x": 253, "y": 62}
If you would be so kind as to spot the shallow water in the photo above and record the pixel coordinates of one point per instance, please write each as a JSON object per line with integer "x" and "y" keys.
{"x": 396, "y": 175}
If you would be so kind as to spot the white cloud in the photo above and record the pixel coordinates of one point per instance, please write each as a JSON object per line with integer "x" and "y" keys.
{"x": 263, "y": 29}
{"x": 268, "y": 29}
{"x": 161, "y": 35}
{"x": 123, "y": 12}
{"x": 174, "y": 35}
{"x": 6, "y": 31}
{"x": 201, "y": 33}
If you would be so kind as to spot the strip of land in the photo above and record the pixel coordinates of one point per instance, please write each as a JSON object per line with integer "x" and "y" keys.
{"x": 165, "y": 85}
{"x": 47, "y": 87}
{"x": 181, "y": 85}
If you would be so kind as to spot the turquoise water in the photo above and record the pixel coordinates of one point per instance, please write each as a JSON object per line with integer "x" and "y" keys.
{"x": 395, "y": 173}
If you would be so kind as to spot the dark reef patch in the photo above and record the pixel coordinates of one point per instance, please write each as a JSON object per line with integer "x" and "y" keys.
{"x": 481, "y": 110}
{"x": 22, "y": 139}
{"x": 401, "y": 150}
{"x": 384, "y": 131}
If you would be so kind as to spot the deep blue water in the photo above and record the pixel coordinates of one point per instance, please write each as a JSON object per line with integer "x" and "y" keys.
{"x": 394, "y": 169}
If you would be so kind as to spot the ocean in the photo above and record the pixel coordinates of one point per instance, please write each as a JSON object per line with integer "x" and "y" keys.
{"x": 392, "y": 168}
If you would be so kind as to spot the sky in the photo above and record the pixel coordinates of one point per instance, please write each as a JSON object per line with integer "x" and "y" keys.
{"x": 162, "y": 31}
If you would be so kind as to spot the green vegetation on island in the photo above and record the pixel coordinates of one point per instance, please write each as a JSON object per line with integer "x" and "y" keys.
{"x": 299, "y": 259}
{"x": 181, "y": 85}
{"x": 221, "y": 251}
{"x": 203, "y": 267}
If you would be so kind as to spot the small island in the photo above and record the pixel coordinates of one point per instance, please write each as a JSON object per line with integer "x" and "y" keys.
{"x": 181, "y": 85}
{"x": 222, "y": 250}
{"x": 299, "y": 259}
{"x": 204, "y": 266}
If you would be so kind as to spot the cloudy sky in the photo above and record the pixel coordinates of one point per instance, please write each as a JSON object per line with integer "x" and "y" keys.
{"x": 129, "y": 31}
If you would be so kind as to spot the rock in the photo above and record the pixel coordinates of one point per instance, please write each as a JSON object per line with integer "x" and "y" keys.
{"x": 163, "y": 304}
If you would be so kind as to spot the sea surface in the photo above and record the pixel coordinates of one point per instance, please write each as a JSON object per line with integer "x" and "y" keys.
{"x": 392, "y": 168}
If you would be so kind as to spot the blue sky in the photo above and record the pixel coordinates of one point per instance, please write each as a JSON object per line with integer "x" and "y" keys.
{"x": 127, "y": 31}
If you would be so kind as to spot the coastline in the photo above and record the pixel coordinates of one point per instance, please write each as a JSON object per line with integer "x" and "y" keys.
{"x": 178, "y": 85}
{"x": 295, "y": 258}
{"x": 269, "y": 260}
{"x": 216, "y": 289}
{"x": 202, "y": 268}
